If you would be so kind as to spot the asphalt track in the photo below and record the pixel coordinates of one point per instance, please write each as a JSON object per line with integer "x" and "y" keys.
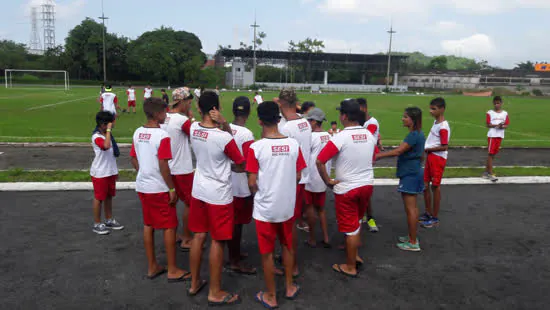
{"x": 490, "y": 252}
{"x": 77, "y": 158}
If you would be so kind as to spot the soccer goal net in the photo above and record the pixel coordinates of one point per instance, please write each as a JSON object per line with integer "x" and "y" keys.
{"x": 36, "y": 78}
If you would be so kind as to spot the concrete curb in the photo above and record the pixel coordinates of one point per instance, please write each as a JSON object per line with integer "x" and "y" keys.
{"x": 87, "y": 186}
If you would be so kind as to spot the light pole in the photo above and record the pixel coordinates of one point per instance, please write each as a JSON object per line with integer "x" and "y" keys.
{"x": 391, "y": 32}
{"x": 103, "y": 18}
{"x": 254, "y": 55}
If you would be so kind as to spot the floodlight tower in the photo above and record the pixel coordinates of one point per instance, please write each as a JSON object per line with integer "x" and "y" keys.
{"x": 103, "y": 18}
{"x": 255, "y": 26}
{"x": 48, "y": 23}
{"x": 391, "y": 32}
{"x": 35, "y": 47}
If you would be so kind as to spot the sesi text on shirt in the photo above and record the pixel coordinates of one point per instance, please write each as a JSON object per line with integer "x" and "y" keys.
{"x": 318, "y": 142}
{"x": 104, "y": 164}
{"x": 299, "y": 129}
{"x": 496, "y": 118}
{"x": 178, "y": 127}
{"x": 149, "y": 145}
{"x": 440, "y": 134}
{"x": 353, "y": 150}
{"x": 276, "y": 161}
{"x": 244, "y": 138}
{"x": 214, "y": 150}
{"x": 108, "y": 102}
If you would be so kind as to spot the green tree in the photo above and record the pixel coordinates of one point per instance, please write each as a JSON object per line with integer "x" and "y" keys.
{"x": 306, "y": 46}
{"x": 438, "y": 63}
{"x": 84, "y": 48}
{"x": 12, "y": 55}
{"x": 527, "y": 66}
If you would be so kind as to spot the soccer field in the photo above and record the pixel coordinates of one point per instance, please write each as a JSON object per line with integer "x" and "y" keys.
{"x": 53, "y": 115}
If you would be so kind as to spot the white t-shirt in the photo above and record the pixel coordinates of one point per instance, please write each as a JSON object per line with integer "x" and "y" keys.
{"x": 148, "y": 146}
{"x": 147, "y": 93}
{"x": 131, "y": 94}
{"x": 178, "y": 127}
{"x": 258, "y": 99}
{"x": 353, "y": 151}
{"x": 244, "y": 138}
{"x": 334, "y": 132}
{"x": 299, "y": 129}
{"x": 214, "y": 150}
{"x": 108, "y": 102}
{"x": 318, "y": 142}
{"x": 373, "y": 126}
{"x": 440, "y": 134}
{"x": 104, "y": 163}
{"x": 495, "y": 118}
{"x": 197, "y": 93}
{"x": 276, "y": 161}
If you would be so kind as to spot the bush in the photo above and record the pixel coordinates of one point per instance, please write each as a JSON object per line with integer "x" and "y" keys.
{"x": 526, "y": 93}
{"x": 537, "y": 92}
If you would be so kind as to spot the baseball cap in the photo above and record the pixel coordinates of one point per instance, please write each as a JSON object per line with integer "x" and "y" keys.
{"x": 181, "y": 93}
{"x": 269, "y": 112}
{"x": 241, "y": 105}
{"x": 316, "y": 114}
{"x": 349, "y": 106}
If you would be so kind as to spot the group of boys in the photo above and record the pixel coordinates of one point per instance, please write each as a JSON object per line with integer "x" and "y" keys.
{"x": 237, "y": 179}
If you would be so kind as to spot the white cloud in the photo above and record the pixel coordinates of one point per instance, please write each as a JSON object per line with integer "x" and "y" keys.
{"x": 489, "y": 7}
{"x": 478, "y": 45}
{"x": 446, "y": 27}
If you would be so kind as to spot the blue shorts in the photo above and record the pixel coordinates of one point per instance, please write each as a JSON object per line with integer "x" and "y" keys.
{"x": 411, "y": 184}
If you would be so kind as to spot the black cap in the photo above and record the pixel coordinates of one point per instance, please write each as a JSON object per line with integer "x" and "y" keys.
{"x": 269, "y": 112}
{"x": 349, "y": 106}
{"x": 241, "y": 106}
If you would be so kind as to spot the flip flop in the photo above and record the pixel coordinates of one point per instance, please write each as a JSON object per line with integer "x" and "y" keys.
{"x": 294, "y": 276}
{"x": 158, "y": 273}
{"x": 225, "y": 301}
{"x": 298, "y": 288}
{"x": 241, "y": 271}
{"x": 185, "y": 277}
{"x": 262, "y": 301}
{"x": 338, "y": 269}
{"x": 326, "y": 245}
{"x": 184, "y": 249}
{"x": 201, "y": 286}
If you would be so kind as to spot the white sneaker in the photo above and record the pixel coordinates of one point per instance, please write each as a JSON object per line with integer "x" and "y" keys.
{"x": 100, "y": 229}
{"x": 113, "y": 224}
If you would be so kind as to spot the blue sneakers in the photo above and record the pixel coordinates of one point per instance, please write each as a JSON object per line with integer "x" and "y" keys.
{"x": 424, "y": 217}
{"x": 433, "y": 221}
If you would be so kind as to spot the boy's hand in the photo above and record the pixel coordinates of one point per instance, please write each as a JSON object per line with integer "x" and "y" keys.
{"x": 110, "y": 126}
{"x": 217, "y": 116}
{"x": 173, "y": 198}
{"x": 332, "y": 182}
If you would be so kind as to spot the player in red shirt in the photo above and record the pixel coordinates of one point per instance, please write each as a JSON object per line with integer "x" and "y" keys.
{"x": 212, "y": 198}
{"x": 274, "y": 164}
{"x": 150, "y": 154}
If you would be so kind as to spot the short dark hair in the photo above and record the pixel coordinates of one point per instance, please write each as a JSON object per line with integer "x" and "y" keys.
{"x": 497, "y": 98}
{"x": 415, "y": 113}
{"x": 288, "y": 95}
{"x": 163, "y": 90}
{"x": 362, "y": 102}
{"x": 151, "y": 106}
{"x": 208, "y": 101}
{"x": 269, "y": 113}
{"x": 438, "y": 102}
{"x": 333, "y": 123}
{"x": 350, "y": 108}
{"x": 104, "y": 117}
{"x": 307, "y": 105}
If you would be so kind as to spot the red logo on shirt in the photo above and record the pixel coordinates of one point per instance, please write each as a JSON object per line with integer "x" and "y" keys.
{"x": 144, "y": 136}
{"x": 277, "y": 150}
{"x": 325, "y": 139}
{"x": 359, "y": 138}
{"x": 200, "y": 134}
{"x": 234, "y": 131}
{"x": 303, "y": 126}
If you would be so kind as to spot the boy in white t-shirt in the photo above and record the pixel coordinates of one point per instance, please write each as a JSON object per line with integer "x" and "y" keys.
{"x": 274, "y": 165}
{"x": 315, "y": 195}
{"x": 150, "y": 154}
{"x": 258, "y": 98}
{"x": 131, "y": 93}
{"x": 109, "y": 101}
{"x": 178, "y": 124}
{"x": 497, "y": 121}
{"x": 147, "y": 92}
{"x": 104, "y": 173}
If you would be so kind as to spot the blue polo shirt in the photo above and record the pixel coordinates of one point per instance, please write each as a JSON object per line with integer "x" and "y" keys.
{"x": 410, "y": 162}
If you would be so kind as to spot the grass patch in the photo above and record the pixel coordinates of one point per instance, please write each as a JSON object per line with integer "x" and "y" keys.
{"x": 20, "y": 175}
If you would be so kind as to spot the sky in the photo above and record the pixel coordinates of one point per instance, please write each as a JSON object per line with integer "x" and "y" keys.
{"x": 504, "y": 32}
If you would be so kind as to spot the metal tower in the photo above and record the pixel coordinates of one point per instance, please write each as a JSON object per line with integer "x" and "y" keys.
{"x": 35, "y": 46}
{"x": 48, "y": 23}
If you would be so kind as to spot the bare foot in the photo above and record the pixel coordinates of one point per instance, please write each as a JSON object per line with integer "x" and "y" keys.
{"x": 155, "y": 271}
{"x": 268, "y": 299}
{"x": 179, "y": 273}
{"x": 292, "y": 290}
{"x": 224, "y": 298}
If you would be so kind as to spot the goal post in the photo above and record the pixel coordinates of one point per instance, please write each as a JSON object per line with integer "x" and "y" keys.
{"x": 36, "y": 78}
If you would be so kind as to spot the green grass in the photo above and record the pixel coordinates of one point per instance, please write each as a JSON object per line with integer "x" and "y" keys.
{"x": 26, "y": 116}
{"x": 19, "y": 175}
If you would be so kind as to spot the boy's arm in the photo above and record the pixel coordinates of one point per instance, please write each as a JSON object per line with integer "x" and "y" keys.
{"x": 107, "y": 143}
{"x": 164, "y": 155}
{"x": 133, "y": 158}
{"x": 300, "y": 165}
{"x": 329, "y": 151}
{"x": 402, "y": 148}
{"x": 506, "y": 123}
{"x": 232, "y": 151}
{"x": 252, "y": 167}
{"x": 444, "y": 141}
{"x": 220, "y": 120}
{"x": 488, "y": 121}
{"x": 253, "y": 183}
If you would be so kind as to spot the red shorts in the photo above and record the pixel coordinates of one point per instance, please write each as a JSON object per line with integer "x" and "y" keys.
{"x": 268, "y": 232}
{"x": 157, "y": 211}
{"x": 243, "y": 210}
{"x": 300, "y": 192}
{"x": 350, "y": 208}
{"x": 316, "y": 199}
{"x": 131, "y": 103}
{"x": 435, "y": 166}
{"x": 104, "y": 187}
{"x": 184, "y": 185}
{"x": 494, "y": 145}
{"x": 215, "y": 219}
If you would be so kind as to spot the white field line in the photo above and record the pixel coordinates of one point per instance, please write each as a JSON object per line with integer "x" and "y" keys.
{"x": 87, "y": 186}
{"x": 58, "y": 103}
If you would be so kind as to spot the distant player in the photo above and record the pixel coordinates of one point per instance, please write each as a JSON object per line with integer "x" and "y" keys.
{"x": 109, "y": 101}
{"x": 104, "y": 173}
{"x": 436, "y": 147}
{"x": 333, "y": 130}
{"x": 274, "y": 164}
{"x": 147, "y": 92}
{"x": 178, "y": 124}
{"x": 150, "y": 154}
{"x": 306, "y": 107}
{"x": 131, "y": 93}
{"x": 497, "y": 121}
{"x": 258, "y": 99}
{"x": 353, "y": 150}
{"x": 217, "y": 90}
{"x": 315, "y": 194}
{"x": 165, "y": 97}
